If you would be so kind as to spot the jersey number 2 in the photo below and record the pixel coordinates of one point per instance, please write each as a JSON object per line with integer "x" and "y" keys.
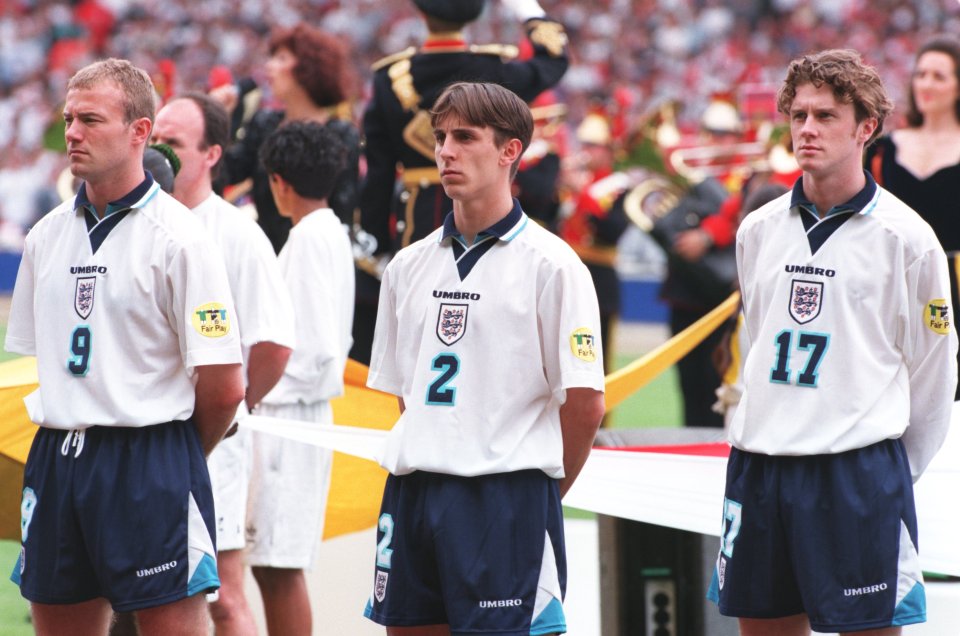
{"x": 79, "y": 363}
{"x": 440, "y": 392}
{"x": 815, "y": 343}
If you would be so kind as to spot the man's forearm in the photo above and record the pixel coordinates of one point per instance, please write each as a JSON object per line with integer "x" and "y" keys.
{"x": 580, "y": 418}
{"x": 219, "y": 391}
{"x": 264, "y": 369}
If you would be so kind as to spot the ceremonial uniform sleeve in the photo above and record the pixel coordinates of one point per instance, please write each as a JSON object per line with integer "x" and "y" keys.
{"x": 382, "y": 155}
{"x": 570, "y": 319}
{"x": 929, "y": 345}
{"x": 384, "y": 369}
{"x": 21, "y": 332}
{"x": 528, "y": 78}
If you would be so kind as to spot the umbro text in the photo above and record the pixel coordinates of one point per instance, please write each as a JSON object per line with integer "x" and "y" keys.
{"x": 504, "y": 602}
{"x": 455, "y": 295}
{"x": 810, "y": 269}
{"x": 860, "y": 591}
{"x": 163, "y": 567}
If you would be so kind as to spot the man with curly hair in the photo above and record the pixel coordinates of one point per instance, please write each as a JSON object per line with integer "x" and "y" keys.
{"x": 848, "y": 386}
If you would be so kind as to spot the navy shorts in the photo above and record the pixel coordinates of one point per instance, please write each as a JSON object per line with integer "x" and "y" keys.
{"x": 831, "y": 536}
{"x": 481, "y": 554}
{"x": 120, "y": 513}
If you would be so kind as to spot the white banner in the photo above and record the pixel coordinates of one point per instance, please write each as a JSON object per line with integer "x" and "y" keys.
{"x": 680, "y": 491}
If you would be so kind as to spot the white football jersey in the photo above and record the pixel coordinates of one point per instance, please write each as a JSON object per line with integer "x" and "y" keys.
{"x": 317, "y": 265}
{"x": 481, "y": 342}
{"x": 263, "y": 305}
{"x": 851, "y": 333}
{"x": 119, "y": 311}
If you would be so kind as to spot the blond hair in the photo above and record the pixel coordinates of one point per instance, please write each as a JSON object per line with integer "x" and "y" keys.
{"x": 139, "y": 95}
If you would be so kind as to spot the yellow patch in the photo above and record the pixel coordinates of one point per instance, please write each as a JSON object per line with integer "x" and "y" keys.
{"x": 583, "y": 344}
{"x": 211, "y": 320}
{"x": 937, "y": 316}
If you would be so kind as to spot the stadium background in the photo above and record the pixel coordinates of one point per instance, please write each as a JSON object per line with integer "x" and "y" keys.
{"x": 632, "y": 55}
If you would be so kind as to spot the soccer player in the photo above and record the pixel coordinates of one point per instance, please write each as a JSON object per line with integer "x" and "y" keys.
{"x": 288, "y": 492}
{"x": 488, "y": 332}
{"x": 848, "y": 384}
{"x": 124, "y": 300}
{"x": 197, "y": 128}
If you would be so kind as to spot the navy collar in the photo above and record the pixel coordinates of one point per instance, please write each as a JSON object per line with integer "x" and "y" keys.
{"x": 505, "y": 229}
{"x": 134, "y": 199}
{"x": 862, "y": 202}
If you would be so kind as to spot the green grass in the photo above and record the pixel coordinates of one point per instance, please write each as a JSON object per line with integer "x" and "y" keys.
{"x": 14, "y": 614}
{"x": 14, "y": 611}
{"x": 656, "y": 404}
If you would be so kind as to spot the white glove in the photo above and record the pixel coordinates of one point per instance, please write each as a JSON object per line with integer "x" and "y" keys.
{"x": 524, "y": 9}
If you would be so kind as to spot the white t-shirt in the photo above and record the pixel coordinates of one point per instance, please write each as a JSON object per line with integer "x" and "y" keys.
{"x": 120, "y": 311}
{"x": 317, "y": 265}
{"x": 263, "y": 304}
{"x": 482, "y": 343}
{"x": 851, "y": 335}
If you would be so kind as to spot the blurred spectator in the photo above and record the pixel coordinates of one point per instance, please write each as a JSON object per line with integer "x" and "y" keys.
{"x": 659, "y": 49}
{"x": 310, "y": 75}
{"x": 920, "y": 163}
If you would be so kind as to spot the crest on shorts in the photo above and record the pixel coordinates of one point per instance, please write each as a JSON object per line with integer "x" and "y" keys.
{"x": 380, "y": 586}
{"x": 83, "y": 297}
{"x": 806, "y": 298}
{"x": 451, "y": 322}
{"x": 721, "y": 570}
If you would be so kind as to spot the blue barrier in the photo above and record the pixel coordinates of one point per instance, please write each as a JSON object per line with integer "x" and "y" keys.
{"x": 9, "y": 264}
{"x": 640, "y": 301}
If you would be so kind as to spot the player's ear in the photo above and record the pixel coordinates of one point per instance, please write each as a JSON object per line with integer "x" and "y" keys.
{"x": 213, "y": 154}
{"x": 141, "y": 129}
{"x": 511, "y": 151}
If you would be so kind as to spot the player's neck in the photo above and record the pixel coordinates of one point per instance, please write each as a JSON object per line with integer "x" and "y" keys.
{"x": 195, "y": 196}
{"x": 826, "y": 191}
{"x": 476, "y": 215}
{"x": 301, "y": 208}
{"x": 100, "y": 192}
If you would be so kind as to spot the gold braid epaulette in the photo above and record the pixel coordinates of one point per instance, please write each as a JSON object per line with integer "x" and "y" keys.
{"x": 396, "y": 57}
{"x": 506, "y": 51}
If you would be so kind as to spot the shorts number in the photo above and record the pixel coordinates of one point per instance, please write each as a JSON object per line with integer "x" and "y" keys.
{"x": 384, "y": 551}
{"x": 439, "y": 393}
{"x": 80, "y": 343}
{"x": 27, "y": 505}
{"x": 729, "y": 531}
{"x": 815, "y": 343}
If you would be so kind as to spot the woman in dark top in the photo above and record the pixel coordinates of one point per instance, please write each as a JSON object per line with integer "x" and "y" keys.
{"x": 310, "y": 74}
{"x": 920, "y": 164}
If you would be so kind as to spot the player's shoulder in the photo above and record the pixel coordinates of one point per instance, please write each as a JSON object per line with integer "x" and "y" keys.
{"x": 774, "y": 211}
{"x": 172, "y": 220}
{"x": 902, "y": 220}
{"x": 545, "y": 247}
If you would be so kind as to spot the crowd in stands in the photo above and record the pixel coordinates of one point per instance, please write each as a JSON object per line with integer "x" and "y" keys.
{"x": 642, "y": 51}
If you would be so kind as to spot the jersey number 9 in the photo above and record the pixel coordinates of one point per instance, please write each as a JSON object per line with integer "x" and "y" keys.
{"x": 79, "y": 362}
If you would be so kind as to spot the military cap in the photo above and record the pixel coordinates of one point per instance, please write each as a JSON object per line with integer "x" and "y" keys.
{"x": 457, "y": 11}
